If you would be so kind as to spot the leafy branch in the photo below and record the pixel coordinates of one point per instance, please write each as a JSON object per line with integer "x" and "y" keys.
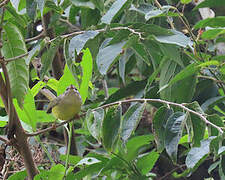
{"x": 183, "y": 106}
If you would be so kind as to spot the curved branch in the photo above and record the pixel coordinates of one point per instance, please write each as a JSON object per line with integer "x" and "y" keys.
{"x": 202, "y": 116}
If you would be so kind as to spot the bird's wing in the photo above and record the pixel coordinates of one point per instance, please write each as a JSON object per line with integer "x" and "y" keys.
{"x": 53, "y": 103}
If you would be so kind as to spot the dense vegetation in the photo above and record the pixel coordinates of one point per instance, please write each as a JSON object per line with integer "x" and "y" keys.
{"x": 151, "y": 74}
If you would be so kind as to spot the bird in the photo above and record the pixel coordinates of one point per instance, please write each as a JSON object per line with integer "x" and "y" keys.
{"x": 66, "y": 105}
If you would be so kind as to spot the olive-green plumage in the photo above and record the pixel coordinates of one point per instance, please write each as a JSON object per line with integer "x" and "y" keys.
{"x": 67, "y": 105}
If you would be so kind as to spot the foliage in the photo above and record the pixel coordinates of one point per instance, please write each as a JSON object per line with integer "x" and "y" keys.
{"x": 152, "y": 84}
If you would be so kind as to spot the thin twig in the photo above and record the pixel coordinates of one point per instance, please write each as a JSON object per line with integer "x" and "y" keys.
{"x": 170, "y": 172}
{"x": 16, "y": 57}
{"x": 202, "y": 116}
{"x": 100, "y": 30}
{"x": 4, "y": 3}
{"x": 6, "y": 141}
{"x": 168, "y": 18}
{"x": 211, "y": 78}
{"x": 39, "y": 36}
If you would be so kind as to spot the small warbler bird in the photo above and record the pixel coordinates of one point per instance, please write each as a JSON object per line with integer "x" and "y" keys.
{"x": 66, "y": 105}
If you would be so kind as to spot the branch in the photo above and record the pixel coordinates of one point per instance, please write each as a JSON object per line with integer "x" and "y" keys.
{"x": 101, "y": 30}
{"x": 168, "y": 18}
{"x": 202, "y": 116}
{"x": 16, "y": 57}
{"x": 39, "y": 36}
{"x": 4, "y": 3}
{"x": 6, "y": 141}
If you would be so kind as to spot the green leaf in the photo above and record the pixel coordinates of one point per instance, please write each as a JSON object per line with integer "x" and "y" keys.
{"x": 211, "y": 102}
{"x": 173, "y": 133}
{"x": 172, "y": 52}
{"x": 31, "y": 8}
{"x": 99, "y": 4}
{"x": 13, "y": 46}
{"x": 131, "y": 89}
{"x": 85, "y": 4}
{"x": 210, "y": 3}
{"x": 40, "y": 5}
{"x": 221, "y": 150}
{"x": 86, "y": 65}
{"x": 72, "y": 159}
{"x": 37, "y": 87}
{"x": 3, "y": 120}
{"x": 66, "y": 80}
{"x": 213, "y": 166}
{"x": 111, "y": 127}
{"x": 94, "y": 121}
{"x": 93, "y": 17}
{"x": 135, "y": 144}
{"x": 94, "y": 168}
{"x": 178, "y": 38}
{"x": 55, "y": 173}
{"x": 18, "y": 175}
{"x": 215, "y": 22}
{"x": 160, "y": 118}
{"x": 140, "y": 50}
{"x": 185, "y": 1}
{"x": 78, "y": 42}
{"x": 184, "y": 73}
{"x": 88, "y": 161}
{"x": 157, "y": 12}
{"x": 117, "y": 7}
{"x": 198, "y": 125}
{"x": 198, "y": 154}
{"x": 122, "y": 63}
{"x": 212, "y": 33}
{"x": 107, "y": 55}
{"x": 218, "y": 121}
{"x": 131, "y": 119}
{"x": 146, "y": 162}
{"x": 48, "y": 57}
{"x": 178, "y": 91}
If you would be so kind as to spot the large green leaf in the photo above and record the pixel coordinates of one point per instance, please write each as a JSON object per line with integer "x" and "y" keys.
{"x": 147, "y": 161}
{"x": 215, "y": 22}
{"x": 99, "y": 4}
{"x": 13, "y": 46}
{"x": 111, "y": 127}
{"x": 212, "y": 33}
{"x": 86, "y": 65}
{"x": 131, "y": 119}
{"x": 198, "y": 125}
{"x": 107, "y": 55}
{"x": 78, "y": 42}
{"x": 173, "y": 133}
{"x": 131, "y": 89}
{"x": 218, "y": 121}
{"x": 91, "y": 169}
{"x": 159, "y": 121}
{"x": 157, "y": 12}
{"x": 140, "y": 50}
{"x": 178, "y": 91}
{"x": 94, "y": 121}
{"x": 84, "y": 4}
{"x": 117, "y": 7}
{"x": 135, "y": 144}
{"x": 210, "y": 3}
{"x": 31, "y": 7}
{"x": 184, "y": 73}
{"x": 177, "y": 38}
{"x": 66, "y": 80}
{"x": 198, "y": 154}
